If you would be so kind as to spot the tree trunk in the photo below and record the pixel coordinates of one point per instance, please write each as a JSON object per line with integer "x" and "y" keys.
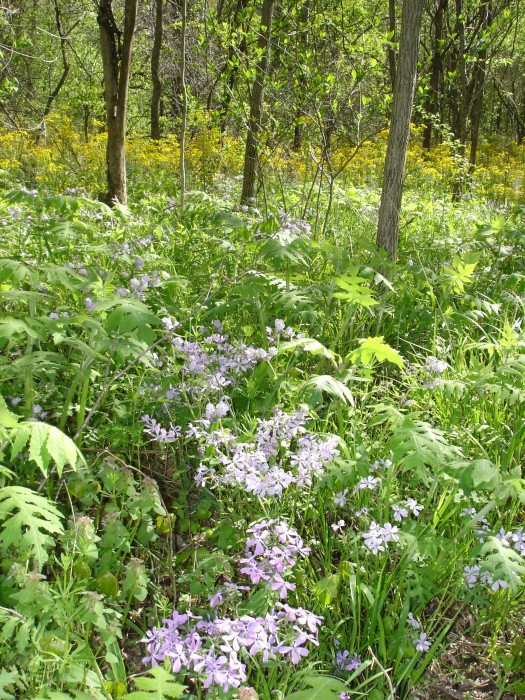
{"x": 390, "y": 208}
{"x": 391, "y": 49}
{"x": 256, "y": 104}
{"x": 116, "y": 61}
{"x": 436, "y": 68}
{"x": 480, "y": 73}
{"x": 156, "y": 94}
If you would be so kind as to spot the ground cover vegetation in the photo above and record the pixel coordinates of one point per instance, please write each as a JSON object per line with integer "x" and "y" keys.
{"x": 245, "y": 451}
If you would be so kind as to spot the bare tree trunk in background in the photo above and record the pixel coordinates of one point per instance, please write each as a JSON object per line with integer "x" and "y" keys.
{"x": 390, "y": 208}
{"x": 303, "y": 38}
{"x": 256, "y": 104}
{"x": 65, "y": 64}
{"x": 436, "y": 68}
{"x": 479, "y": 79}
{"x": 391, "y": 50}
{"x": 116, "y": 61}
{"x": 156, "y": 94}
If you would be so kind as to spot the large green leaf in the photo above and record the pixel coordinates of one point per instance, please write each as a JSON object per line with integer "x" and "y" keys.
{"x": 503, "y": 562}
{"x": 46, "y": 443}
{"x": 416, "y": 445}
{"x": 356, "y": 291}
{"x": 375, "y": 349}
{"x": 160, "y": 686}
{"x": 28, "y": 521}
{"x": 320, "y": 688}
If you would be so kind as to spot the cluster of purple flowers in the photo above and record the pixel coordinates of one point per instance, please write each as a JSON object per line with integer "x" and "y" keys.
{"x": 282, "y": 453}
{"x": 474, "y": 574}
{"x": 216, "y": 361}
{"x": 271, "y": 554}
{"x": 345, "y": 662}
{"x": 378, "y": 536}
{"x": 158, "y": 433}
{"x": 216, "y": 651}
{"x": 435, "y": 369}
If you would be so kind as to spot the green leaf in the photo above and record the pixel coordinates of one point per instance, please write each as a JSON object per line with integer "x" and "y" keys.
{"x": 416, "y": 445}
{"x": 480, "y": 474}
{"x": 320, "y": 688}
{"x": 330, "y": 385}
{"x": 327, "y": 589}
{"x": 503, "y": 562}
{"x": 159, "y": 687}
{"x": 356, "y": 291}
{"x": 314, "y": 347}
{"x": 7, "y": 679}
{"x": 7, "y": 419}
{"x": 376, "y": 349}
{"x": 45, "y": 443}
{"x": 29, "y": 521}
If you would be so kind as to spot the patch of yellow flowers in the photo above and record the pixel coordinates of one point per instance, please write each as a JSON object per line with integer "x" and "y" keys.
{"x": 60, "y": 156}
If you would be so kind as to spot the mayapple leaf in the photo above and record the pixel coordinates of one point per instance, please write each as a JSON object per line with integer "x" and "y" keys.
{"x": 160, "y": 686}
{"x": 29, "y": 522}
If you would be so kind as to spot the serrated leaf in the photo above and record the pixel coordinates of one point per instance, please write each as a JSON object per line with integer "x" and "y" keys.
{"x": 45, "y": 443}
{"x": 320, "y": 688}
{"x": 376, "y": 349}
{"x": 7, "y": 419}
{"x": 356, "y": 291}
{"x": 159, "y": 687}
{"x": 29, "y": 521}
{"x": 7, "y": 679}
{"x": 503, "y": 562}
{"x": 416, "y": 445}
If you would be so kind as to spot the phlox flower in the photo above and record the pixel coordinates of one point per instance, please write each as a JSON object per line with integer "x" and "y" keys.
{"x": 422, "y": 643}
{"x": 340, "y": 498}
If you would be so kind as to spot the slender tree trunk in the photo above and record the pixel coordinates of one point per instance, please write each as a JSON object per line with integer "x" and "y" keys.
{"x": 65, "y": 65}
{"x": 256, "y": 104}
{"x": 116, "y": 61}
{"x": 391, "y": 49}
{"x": 184, "y": 99}
{"x": 480, "y": 73}
{"x": 156, "y": 94}
{"x": 303, "y": 36}
{"x": 390, "y": 208}
{"x": 436, "y": 68}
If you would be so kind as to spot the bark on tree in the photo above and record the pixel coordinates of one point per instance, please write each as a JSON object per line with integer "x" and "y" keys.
{"x": 116, "y": 60}
{"x": 390, "y": 207}
{"x": 391, "y": 50}
{"x": 156, "y": 94}
{"x": 256, "y": 104}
